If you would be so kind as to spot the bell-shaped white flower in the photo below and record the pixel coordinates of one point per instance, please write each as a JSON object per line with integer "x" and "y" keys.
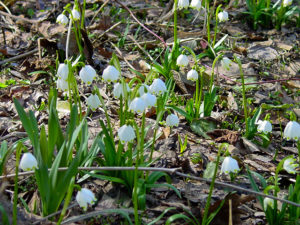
{"x": 182, "y": 60}
{"x": 192, "y": 75}
{"x": 62, "y": 19}
{"x": 158, "y": 87}
{"x": 287, "y": 3}
{"x": 183, "y": 4}
{"x": 118, "y": 90}
{"x": 138, "y": 105}
{"x": 172, "y": 120}
{"x": 93, "y": 102}
{"x": 28, "y": 162}
{"x": 268, "y": 202}
{"x": 62, "y": 85}
{"x": 196, "y": 4}
{"x": 126, "y": 133}
{"x": 223, "y": 16}
{"x": 289, "y": 165}
{"x": 226, "y": 63}
{"x": 229, "y": 165}
{"x": 144, "y": 88}
{"x": 149, "y": 99}
{"x": 110, "y": 74}
{"x": 264, "y": 126}
{"x": 85, "y": 197}
{"x": 292, "y": 131}
{"x": 63, "y": 71}
{"x": 87, "y": 74}
{"x": 75, "y": 15}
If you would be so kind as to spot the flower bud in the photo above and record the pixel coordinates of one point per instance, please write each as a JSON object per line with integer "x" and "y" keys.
{"x": 126, "y": 133}
{"x": 87, "y": 74}
{"x": 93, "y": 102}
{"x": 229, "y": 165}
{"x": 182, "y": 60}
{"x": 62, "y": 19}
{"x": 110, "y": 74}
{"x": 192, "y": 75}
{"x": 28, "y": 162}
{"x": 158, "y": 87}
{"x": 223, "y": 16}
{"x": 85, "y": 197}
{"x": 292, "y": 131}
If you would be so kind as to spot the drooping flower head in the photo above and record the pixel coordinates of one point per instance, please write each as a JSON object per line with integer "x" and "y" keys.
{"x": 192, "y": 75}
{"x": 110, "y": 74}
{"x": 126, "y": 133}
{"x": 62, "y": 85}
{"x": 93, "y": 102}
{"x": 264, "y": 126}
{"x": 196, "y": 4}
{"x": 158, "y": 87}
{"x": 85, "y": 197}
{"x": 268, "y": 202}
{"x": 289, "y": 165}
{"x": 62, "y": 19}
{"x": 63, "y": 71}
{"x": 87, "y": 74}
{"x": 182, "y": 60}
{"x": 144, "y": 88}
{"x": 138, "y": 105}
{"x": 118, "y": 90}
{"x": 223, "y": 16}
{"x": 183, "y": 4}
{"x": 229, "y": 165}
{"x": 75, "y": 15}
{"x": 172, "y": 120}
{"x": 292, "y": 131}
{"x": 149, "y": 99}
{"x": 226, "y": 63}
{"x": 28, "y": 162}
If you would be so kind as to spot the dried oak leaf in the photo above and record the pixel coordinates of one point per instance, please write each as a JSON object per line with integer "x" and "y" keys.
{"x": 222, "y": 216}
{"x": 224, "y": 135}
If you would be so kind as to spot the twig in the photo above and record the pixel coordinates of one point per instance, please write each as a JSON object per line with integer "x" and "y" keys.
{"x": 146, "y": 28}
{"x": 19, "y": 18}
{"x": 140, "y": 47}
{"x": 99, "y": 10}
{"x": 5, "y": 7}
{"x": 108, "y": 30}
{"x": 167, "y": 170}
{"x": 18, "y": 56}
{"x": 120, "y": 53}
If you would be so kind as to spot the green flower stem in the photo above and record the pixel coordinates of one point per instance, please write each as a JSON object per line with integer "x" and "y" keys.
{"x": 211, "y": 188}
{"x": 197, "y": 98}
{"x": 212, "y": 77}
{"x": 67, "y": 201}
{"x": 68, "y": 40}
{"x": 83, "y": 14}
{"x": 175, "y": 21}
{"x": 216, "y": 26}
{"x": 142, "y": 137}
{"x": 298, "y": 146}
{"x": 244, "y": 93}
{"x": 18, "y": 155}
{"x": 208, "y": 21}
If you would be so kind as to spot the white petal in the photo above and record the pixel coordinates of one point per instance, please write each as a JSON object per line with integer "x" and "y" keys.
{"x": 158, "y": 87}
{"x": 292, "y": 130}
{"x": 172, "y": 120}
{"x": 93, "y": 102}
{"x": 85, "y": 197}
{"x": 268, "y": 202}
{"x": 183, "y": 4}
{"x": 229, "y": 165}
{"x": 192, "y": 75}
{"x": 182, "y": 60}
{"x": 264, "y": 126}
{"x": 28, "y": 162}
{"x": 62, "y": 19}
{"x": 196, "y": 4}
{"x": 63, "y": 71}
{"x": 87, "y": 74}
{"x": 138, "y": 105}
{"x": 126, "y": 133}
{"x": 149, "y": 99}
{"x": 290, "y": 166}
{"x": 110, "y": 74}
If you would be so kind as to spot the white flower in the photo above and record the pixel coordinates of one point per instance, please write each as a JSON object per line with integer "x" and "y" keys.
{"x": 87, "y": 74}
{"x": 137, "y": 105}
{"x": 143, "y": 89}
{"x": 268, "y": 202}
{"x": 28, "y": 162}
{"x": 229, "y": 165}
{"x": 149, "y": 99}
{"x": 226, "y": 63}
{"x": 126, "y": 133}
{"x": 223, "y": 16}
{"x": 62, "y": 19}
{"x": 76, "y": 15}
{"x": 172, "y": 120}
{"x": 292, "y": 130}
{"x": 158, "y": 87}
{"x": 118, "y": 90}
{"x": 264, "y": 126}
{"x": 63, "y": 71}
{"x": 62, "y": 85}
{"x": 289, "y": 165}
{"x": 110, "y": 74}
{"x": 287, "y": 3}
{"x": 85, "y": 197}
{"x": 183, "y": 4}
{"x": 93, "y": 102}
{"x": 182, "y": 60}
{"x": 196, "y": 4}
{"x": 192, "y": 75}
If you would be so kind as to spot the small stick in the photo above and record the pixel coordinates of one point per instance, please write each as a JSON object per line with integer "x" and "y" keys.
{"x": 19, "y": 18}
{"x": 167, "y": 170}
{"x": 18, "y": 56}
{"x": 120, "y": 53}
{"x": 140, "y": 47}
{"x": 99, "y": 10}
{"x": 146, "y": 28}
